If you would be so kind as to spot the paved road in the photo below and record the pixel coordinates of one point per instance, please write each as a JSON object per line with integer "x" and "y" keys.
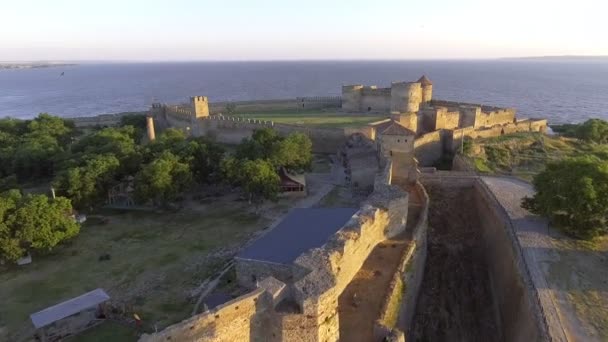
{"x": 534, "y": 236}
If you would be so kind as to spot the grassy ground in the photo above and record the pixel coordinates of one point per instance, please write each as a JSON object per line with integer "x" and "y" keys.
{"x": 525, "y": 154}
{"x": 579, "y": 271}
{"x": 156, "y": 259}
{"x": 315, "y": 118}
{"x": 107, "y": 332}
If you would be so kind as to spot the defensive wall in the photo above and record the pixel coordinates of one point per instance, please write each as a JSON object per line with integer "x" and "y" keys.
{"x": 233, "y": 129}
{"x": 520, "y": 316}
{"x": 454, "y": 137}
{"x": 318, "y": 278}
{"x": 400, "y": 300}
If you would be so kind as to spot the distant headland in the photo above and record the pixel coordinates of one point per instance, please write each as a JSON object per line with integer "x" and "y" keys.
{"x": 561, "y": 58}
{"x": 32, "y": 65}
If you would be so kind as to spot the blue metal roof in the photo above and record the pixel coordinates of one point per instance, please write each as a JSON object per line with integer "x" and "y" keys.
{"x": 302, "y": 229}
{"x": 68, "y": 308}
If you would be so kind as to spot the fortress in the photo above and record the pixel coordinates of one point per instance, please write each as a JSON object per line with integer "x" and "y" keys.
{"x": 298, "y": 274}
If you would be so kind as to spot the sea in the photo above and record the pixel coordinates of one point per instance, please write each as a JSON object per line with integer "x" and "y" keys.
{"x": 562, "y": 91}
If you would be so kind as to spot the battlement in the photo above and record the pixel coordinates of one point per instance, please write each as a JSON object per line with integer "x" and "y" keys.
{"x": 199, "y": 98}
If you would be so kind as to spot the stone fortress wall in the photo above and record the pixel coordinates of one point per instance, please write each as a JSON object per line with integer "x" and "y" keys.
{"x": 318, "y": 277}
{"x": 520, "y": 314}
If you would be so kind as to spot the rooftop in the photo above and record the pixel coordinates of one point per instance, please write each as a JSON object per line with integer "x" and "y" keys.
{"x": 424, "y": 80}
{"x": 397, "y": 129}
{"x": 301, "y": 230}
{"x": 68, "y": 308}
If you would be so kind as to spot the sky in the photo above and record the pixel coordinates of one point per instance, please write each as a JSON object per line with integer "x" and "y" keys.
{"x": 185, "y": 30}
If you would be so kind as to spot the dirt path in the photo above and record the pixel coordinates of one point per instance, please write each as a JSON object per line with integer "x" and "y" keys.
{"x": 570, "y": 279}
{"x": 361, "y": 301}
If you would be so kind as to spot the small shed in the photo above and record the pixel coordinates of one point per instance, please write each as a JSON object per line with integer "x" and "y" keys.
{"x": 70, "y": 317}
{"x": 292, "y": 184}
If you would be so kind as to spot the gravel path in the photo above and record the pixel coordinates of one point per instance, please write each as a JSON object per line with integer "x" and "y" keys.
{"x": 535, "y": 238}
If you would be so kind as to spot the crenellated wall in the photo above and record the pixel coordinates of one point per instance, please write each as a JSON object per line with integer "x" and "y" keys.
{"x": 400, "y": 300}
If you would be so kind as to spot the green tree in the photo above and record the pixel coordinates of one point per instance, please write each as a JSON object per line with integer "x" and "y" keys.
{"x": 258, "y": 179}
{"x": 162, "y": 179}
{"x": 88, "y": 185}
{"x": 593, "y": 130}
{"x": 262, "y": 145}
{"x": 119, "y": 142}
{"x": 30, "y": 149}
{"x": 293, "y": 152}
{"x": 573, "y": 194}
{"x": 33, "y": 222}
{"x": 205, "y": 160}
{"x": 137, "y": 121}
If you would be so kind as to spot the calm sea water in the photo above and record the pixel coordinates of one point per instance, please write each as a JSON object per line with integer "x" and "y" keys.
{"x": 563, "y": 91}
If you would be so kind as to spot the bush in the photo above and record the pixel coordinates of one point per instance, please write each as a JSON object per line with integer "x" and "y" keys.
{"x": 573, "y": 194}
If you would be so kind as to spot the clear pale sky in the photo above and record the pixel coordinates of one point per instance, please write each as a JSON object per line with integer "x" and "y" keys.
{"x": 310, "y": 29}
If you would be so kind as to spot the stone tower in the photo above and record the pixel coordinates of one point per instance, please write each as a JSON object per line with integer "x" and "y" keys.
{"x": 406, "y": 97}
{"x": 427, "y": 89}
{"x": 351, "y": 98}
{"x": 200, "y": 105}
{"x": 150, "y": 127}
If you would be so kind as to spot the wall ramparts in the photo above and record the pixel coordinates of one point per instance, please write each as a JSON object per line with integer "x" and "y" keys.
{"x": 428, "y": 148}
{"x": 237, "y": 320}
{"x": 399, "y": 303}
{"x": 520, "y": 316}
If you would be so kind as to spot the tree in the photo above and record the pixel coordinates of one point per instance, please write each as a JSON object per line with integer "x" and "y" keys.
{"x": 88, "y": 185}
{"x": 258, "y": 178}
{"x": 162, "y": 179}
{"x": 573, "y": 194}
{"x": 293, "y": 152}
{"x": 33, "y": 222}
{"x": 593, "y": 130}
{"x": 119, "y": 142}
{"x": 262, "y": 145}
{"x": 30, "y": 149}
{"x": 205, "y": 160}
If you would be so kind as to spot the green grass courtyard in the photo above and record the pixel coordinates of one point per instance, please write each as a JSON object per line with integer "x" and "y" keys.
{"x": 312, "y": 118}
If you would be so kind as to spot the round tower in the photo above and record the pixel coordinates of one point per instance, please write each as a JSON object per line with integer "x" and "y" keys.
{"x": 427, "y": 89}
{"x": 406, "y": 97}
{"x": 150, "y": 127}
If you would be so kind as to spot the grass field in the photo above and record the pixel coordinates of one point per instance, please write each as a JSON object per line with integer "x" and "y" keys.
{"x": 314, "y": 118}
{"x": 525, "y": 154}
{"x": 156, "y": 260}
{"x": 106, "y": 332}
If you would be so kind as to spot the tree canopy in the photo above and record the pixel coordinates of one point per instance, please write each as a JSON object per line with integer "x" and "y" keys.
{"x": 29, "y": 149}
{"x": 573, "y": 194}
{"x": 33, "y": 222}
{"x": 87, "y": 185}
{"x": 292, "y": 152}
{"x": 163, "y": 179}
{"x": 593, "y": 130}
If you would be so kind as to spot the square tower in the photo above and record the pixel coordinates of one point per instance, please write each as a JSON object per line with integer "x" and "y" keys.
{"x": 200, "y": 105}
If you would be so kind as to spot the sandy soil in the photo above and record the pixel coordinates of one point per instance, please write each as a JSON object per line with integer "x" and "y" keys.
{"x": 360, "y": 303}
